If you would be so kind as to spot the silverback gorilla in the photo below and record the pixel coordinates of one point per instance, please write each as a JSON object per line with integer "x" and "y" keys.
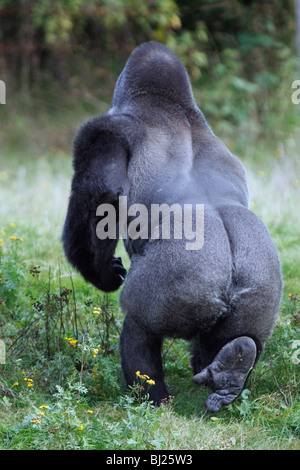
{"x": 155, "y": 147}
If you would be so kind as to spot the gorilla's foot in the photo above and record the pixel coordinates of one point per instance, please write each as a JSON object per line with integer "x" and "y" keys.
{"x": 228, "y": 372}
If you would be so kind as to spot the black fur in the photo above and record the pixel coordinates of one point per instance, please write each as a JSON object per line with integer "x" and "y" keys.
{"x": 154, "y": 146}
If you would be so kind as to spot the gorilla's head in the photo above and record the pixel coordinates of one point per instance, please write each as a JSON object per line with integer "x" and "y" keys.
{"x": 153, "y": 69}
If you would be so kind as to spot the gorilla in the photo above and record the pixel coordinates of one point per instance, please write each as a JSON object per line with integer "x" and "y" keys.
{"x": 154, "y": 146}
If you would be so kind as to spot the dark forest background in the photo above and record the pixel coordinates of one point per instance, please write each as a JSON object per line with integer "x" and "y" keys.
{"x": 240, "y": 54}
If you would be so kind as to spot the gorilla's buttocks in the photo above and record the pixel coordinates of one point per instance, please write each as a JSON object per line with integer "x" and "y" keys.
{"x": 155, "y": 147}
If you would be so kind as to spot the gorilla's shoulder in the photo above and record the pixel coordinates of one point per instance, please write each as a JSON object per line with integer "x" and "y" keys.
{"x": 106, "y": 132}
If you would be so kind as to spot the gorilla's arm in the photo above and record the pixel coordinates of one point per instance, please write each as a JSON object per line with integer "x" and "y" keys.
{"x": 100, "y": 155}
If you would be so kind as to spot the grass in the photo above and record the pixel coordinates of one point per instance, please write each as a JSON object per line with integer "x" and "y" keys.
{"x": 80, "y": 391}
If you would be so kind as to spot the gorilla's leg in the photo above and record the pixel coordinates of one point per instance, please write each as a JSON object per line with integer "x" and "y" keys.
{"x": 228, "y": 372}
{"x": 253, "y": 302}
{"x": 141, "y": 351}
{"x": 223, "y": 358}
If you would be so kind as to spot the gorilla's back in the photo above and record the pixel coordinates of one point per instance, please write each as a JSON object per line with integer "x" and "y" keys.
{"x": 177, "y": 149}
{"x": 180, "y": 160}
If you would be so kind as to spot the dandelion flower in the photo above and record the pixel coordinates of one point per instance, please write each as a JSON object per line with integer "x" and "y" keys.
{"x": 41, "y": 414}
{"x": 90, "y": 412}
{"x": 13, "y": 237}
{"x": 16, "y": 384}
{"x": 29, "y": 384}
{"x": 44, "y": 407}
{"x": 80, "y": 428}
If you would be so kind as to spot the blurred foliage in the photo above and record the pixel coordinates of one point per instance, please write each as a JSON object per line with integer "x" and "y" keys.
{"x": 37, "y": 36}
{"x": 240, "y": 54}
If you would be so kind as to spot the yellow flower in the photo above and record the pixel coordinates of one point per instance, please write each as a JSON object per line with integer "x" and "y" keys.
{"x": 40, "y": 414}
{"x": 1, "y": 278}
{"x": 97, "y": 310}
{"x": 13, "y": 237}
{"x": 72, "y": 342}
{"x": 36, "y": 420}
{"x": 16, "y": 384}
{"x": 1, "y": 240}
{"x": 95, "y": 352}
{"x": 140, "y": 376}
{"x": 80, "y": 428}
{"x": 43, "y": 407}
{"x": 151, "y": 382}
{"x": 90, "y": 412}
{"x": 29, "y": 382}
{"x": 12, "y": 224}
{"x": 20, "y": 239}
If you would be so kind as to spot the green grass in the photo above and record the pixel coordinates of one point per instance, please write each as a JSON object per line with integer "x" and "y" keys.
{"x": 45, "y": 302}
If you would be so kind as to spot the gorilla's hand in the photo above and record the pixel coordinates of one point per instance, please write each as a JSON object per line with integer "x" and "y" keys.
{"x": 119, "y": 268}
{"x": 112, "y": 275}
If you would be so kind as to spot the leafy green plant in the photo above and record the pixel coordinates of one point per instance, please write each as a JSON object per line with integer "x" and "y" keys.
{"x": 138, "y": 429}
{"x": 59, "y": 423}
{"x": 11, "y": 268}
